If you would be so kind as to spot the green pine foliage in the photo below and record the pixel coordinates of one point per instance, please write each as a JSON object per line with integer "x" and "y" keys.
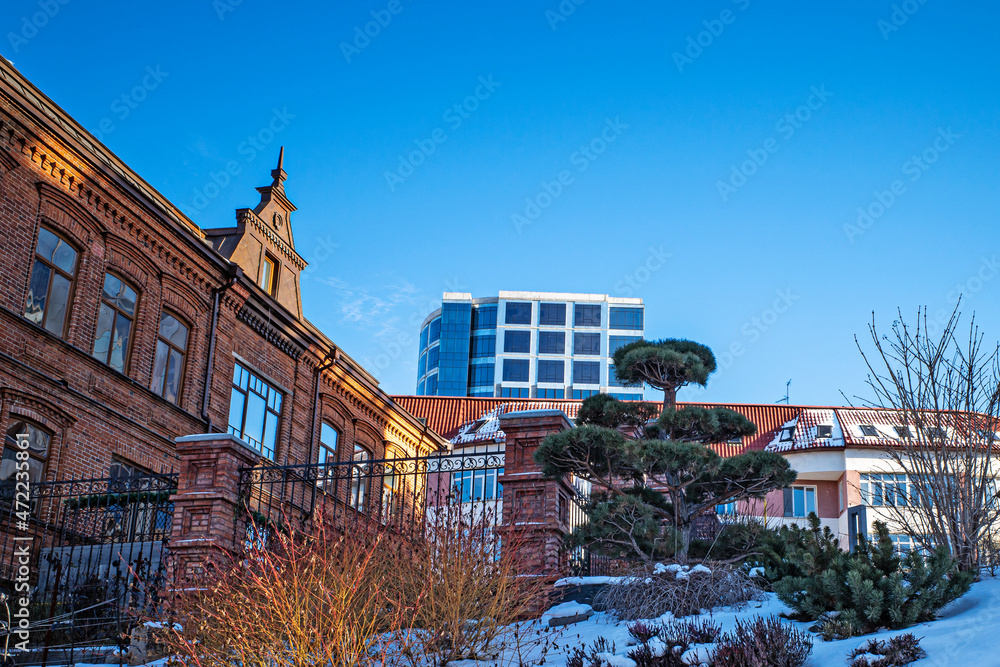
{"x": 873, "y": 587}
{"x": 654, "y": 474}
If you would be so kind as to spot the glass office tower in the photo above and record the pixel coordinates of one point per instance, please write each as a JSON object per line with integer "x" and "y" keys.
{"x": 526, "y": 345}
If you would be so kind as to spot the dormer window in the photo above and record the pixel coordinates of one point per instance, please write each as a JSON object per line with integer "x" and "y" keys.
{"x": 868, "y": 431}
{"x": 269, "y": 274}
{"x": 824, "y": 431}
{"x": 787, "y": 434}
{"x": 903, "y": 432}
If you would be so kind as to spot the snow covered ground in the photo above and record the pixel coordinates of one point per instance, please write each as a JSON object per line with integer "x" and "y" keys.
{"x": 966, "y": 634}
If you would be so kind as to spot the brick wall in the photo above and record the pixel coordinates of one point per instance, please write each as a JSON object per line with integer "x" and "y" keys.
{"x": 53, "y": 174}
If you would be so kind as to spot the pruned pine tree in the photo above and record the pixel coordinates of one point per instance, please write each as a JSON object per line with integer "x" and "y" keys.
{"x": 653, "y": 479}
{"x": 944, "y": 389}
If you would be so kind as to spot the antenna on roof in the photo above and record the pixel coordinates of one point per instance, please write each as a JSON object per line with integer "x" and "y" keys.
{"x": 785, "y": 398}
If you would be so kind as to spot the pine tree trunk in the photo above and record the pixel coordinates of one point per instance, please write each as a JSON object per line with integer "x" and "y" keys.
{"x": 682, "y": 551}
{"x": 669, "y": 397}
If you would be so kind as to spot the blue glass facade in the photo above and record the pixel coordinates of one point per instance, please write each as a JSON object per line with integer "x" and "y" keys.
{"x": 526, "y": 344}
{"x": 456, "y": 323}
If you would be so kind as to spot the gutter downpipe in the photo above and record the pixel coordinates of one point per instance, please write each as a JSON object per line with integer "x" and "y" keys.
{"x": 234, "y": 277}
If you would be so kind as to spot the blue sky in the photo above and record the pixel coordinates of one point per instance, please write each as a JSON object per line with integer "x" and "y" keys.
{"x": 739, "y": 138}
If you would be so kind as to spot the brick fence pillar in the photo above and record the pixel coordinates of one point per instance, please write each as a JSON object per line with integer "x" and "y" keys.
{"x": 205, "y": 505}
{"x": 533, "y": 505}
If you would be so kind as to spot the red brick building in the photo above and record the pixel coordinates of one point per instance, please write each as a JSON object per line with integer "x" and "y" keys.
{"x": 124, "y": 324}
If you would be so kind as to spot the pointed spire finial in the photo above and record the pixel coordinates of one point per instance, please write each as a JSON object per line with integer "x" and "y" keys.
{"x": 279, "y": 174}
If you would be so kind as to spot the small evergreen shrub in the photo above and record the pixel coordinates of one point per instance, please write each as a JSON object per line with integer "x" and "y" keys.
{"x": 857, "y": 593}
{"x": 896, "y": 652}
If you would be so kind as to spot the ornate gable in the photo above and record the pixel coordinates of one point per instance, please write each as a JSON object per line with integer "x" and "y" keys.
{"x": 262, "y": 243}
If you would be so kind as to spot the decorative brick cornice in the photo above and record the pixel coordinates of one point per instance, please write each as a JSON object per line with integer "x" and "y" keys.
{"x": 14, "y": 399}
{"x": 8, "y": 161}
{"x": 247, "y": 216}
{"x": 268, "y": 333}
{"x": 68, "y": 186}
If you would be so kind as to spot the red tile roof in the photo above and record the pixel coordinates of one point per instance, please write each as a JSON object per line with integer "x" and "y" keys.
{"x": 447, "y": 414}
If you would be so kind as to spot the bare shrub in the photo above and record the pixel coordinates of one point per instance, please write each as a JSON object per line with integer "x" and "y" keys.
{"x": 762, "y": 642}
{"x": 323, "y": 598}
{"x": 364, "y": 595}
{"x": 896, "y": 652}
{"x": 652, "y": 592}
{"x": 471, "y": 592}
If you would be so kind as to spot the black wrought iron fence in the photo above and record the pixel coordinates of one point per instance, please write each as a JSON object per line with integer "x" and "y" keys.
{"x": 583, "y": 560}
{"x": 400, "y": 494}
{"x": 92, "y": 554}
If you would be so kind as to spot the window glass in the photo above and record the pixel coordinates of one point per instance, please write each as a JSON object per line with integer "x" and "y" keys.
{"x": 800, "y": 501}
{"x": 35, "y": 441}
{"x": 586, "y": 372}
{"x": 587, "y": 315}
{"x": 435, "y": 330}
{"x": 625, "y": 318}
{"x": 517, "y": 341}
{"x": 112, "y": 340}
{"x": 550, "y": 370}
{"x": 586, "y": 343}
{"x": 360, "y": 472}
{"x": 168, "y": 363}
{"x": 481, "y": 375}
{"x": 254, "y": 409}
{"x": 615, "y": 342}
{"x": 477, "y": 485}
{"x": 518, "y": 313}
{"x": 52, "y": 275}
{"x": 551, "y": 393}
{"x": 483, "y": 346}
{"x": 625, "y": 397}
{"x": 551, "y": 342}
{"x": 515, "y": 392}
{"x": 515, "y": 370}
{"x": 484, "y": 317}
{"x": 552, "y": 314}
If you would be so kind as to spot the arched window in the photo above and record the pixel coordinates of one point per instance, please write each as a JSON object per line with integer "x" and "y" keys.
{"x": 392, "y": 481}
{"x": 360, "y": 474}
{"x": 24, "y": 436}
{"x": 328, "y": 437}
{"x": 171, "y": 353}
{"x": 51, "y": 286}
{"x": 115, "y": 323}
